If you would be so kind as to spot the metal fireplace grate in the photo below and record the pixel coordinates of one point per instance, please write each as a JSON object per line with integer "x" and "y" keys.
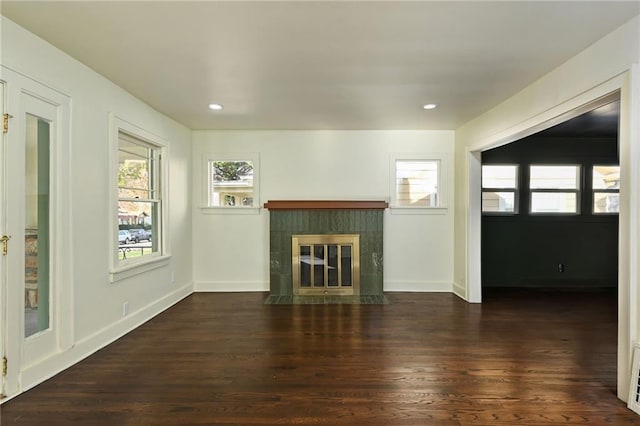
{"x": 326, "y": 264}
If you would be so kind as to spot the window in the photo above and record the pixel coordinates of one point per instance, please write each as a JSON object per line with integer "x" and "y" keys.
{"x": 139, "y": 198}
{"x": 606, "y": 189}
{"x": 231, "y": 181}
{"x": 416, "y": 183}
{"x": 139, "y": 175}
{"x": 554, "y": 189}
{"x": 499, "y": 188}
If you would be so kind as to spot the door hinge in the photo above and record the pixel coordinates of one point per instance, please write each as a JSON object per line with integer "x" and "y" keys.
{"x": 5, "y": 122}
{"x": 4, "y": 365}
{"x": 5, "y": 244}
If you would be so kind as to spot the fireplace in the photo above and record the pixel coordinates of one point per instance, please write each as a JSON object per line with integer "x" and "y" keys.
{"x": 325, "y": 264}
{"x": 309, "y": 254}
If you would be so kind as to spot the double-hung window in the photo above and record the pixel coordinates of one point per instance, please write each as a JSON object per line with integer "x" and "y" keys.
{"x": 139, "y": 198}
{"x": 606, "y": 189}
{"x": 500, "y": 188}
{"x": 139, "y": 174}
{"x": 555, "y": 189}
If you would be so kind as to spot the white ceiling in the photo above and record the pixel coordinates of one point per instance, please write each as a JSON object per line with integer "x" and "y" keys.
{"x": 321, "y": 65}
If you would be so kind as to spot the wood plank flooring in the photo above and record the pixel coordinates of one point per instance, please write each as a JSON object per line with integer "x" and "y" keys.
{"x": 520, "y": 358}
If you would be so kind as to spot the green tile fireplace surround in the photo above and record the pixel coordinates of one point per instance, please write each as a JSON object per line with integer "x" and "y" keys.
{"x": 326, "y": 218}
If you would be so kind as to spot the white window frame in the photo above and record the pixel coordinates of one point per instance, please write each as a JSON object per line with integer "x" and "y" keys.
{"x": 123, "y": 269}
{"x": 441, "y": 206}
{"x": 595, "y": 191}
{"x": 207, "y": 159}
{"x": 515, "y": 190}
{"x": 577, "y": 190}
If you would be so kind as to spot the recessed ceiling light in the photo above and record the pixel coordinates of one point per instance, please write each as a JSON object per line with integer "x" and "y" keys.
{"x": 216, "y": 107}
{"x": 429, "y": 106}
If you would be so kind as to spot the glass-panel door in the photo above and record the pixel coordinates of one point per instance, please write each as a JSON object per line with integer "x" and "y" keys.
{"x": 36, "y": 217}
{"x": 29, "y": 218}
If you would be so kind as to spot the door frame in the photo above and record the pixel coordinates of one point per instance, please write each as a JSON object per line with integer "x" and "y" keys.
{"x": 21, "y": 377}
{"x": 3, "y": 260}
{"x": 626, "y": 86}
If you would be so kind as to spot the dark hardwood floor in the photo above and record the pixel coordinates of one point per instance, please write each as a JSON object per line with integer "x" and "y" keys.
{"x": 520, "y": 358}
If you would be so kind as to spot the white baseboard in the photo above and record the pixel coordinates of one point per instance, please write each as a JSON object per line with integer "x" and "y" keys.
{"x": 49, "y": 367}
{"x": 419, "y": 286}
{"x": 460, "y": 291}
{"x": 230, "y": 286}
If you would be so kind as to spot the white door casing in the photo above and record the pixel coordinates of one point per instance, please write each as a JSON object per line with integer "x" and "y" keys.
{"x": 27, "y": 355}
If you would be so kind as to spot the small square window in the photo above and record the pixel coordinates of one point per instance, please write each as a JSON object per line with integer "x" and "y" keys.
{"x": 416, "y": 183}
{"x": 231, "y": 181}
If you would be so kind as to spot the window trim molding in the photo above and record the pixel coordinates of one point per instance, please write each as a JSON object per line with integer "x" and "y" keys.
{"x": 207, "y": 157}
{"x": 122, "y": 270}
{"x": 443, "y": 159}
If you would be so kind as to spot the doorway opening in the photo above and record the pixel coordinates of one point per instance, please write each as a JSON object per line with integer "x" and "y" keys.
{"x": 550, "y": 205}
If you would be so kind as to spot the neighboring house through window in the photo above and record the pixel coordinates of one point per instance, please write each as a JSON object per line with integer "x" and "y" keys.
{"x": 416, "y": 181}
{"x": 231, "y": 181}
{"x": 500, "y": 188}
{"x": 554, "y": 189}
{"x": 606, "y": 189}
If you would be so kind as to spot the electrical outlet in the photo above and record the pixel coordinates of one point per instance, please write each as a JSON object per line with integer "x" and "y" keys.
{"x": 125, "y": 309}
{"x": 560, "y": 267}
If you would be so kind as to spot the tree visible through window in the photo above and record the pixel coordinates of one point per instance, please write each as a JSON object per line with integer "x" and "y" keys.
{"x": 139, "y": 199}
{"x": 231, "y": 183}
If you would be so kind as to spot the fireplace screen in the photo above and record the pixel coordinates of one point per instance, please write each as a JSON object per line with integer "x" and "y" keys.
{"x": 326, "y": 264}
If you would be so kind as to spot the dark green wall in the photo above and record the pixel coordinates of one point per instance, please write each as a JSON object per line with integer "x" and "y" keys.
{"x": 285, "y": 223}
{"x": 525, "y": 250}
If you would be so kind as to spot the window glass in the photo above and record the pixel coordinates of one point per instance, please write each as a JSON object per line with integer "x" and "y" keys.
{"x": 139, "y": 200}
{"x": 231, "y": 183}
{"x": 502, "y": 176}
{"x": 606, "y": 202}
{"x": 416, "y": 183}
{"x": 606, "y": 189}
{"x": 498, "y": 202}
{"x": 606, "y": 177}
{"x": 553, "y": 202}
{"x": 554, "y": 177}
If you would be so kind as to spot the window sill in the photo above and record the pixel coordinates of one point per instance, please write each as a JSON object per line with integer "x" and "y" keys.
{"x": 131, "y": 270}
{"x": 419, "y": 210}
{"x": 230, "y": 210}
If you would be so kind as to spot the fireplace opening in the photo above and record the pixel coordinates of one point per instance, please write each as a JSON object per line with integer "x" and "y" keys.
{"x": 326, "y": 264}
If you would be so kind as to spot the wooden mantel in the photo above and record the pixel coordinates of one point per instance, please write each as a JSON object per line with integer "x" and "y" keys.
{"x": 325, "y": 205}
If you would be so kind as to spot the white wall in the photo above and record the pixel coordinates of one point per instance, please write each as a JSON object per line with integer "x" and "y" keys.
{"x": 595, "y": 72}
{"x": 231, "y": 252}
{"x": 98, "y": 306}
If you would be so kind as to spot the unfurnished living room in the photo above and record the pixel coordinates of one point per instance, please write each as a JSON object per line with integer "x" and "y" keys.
{"x": 320, "y": 212}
